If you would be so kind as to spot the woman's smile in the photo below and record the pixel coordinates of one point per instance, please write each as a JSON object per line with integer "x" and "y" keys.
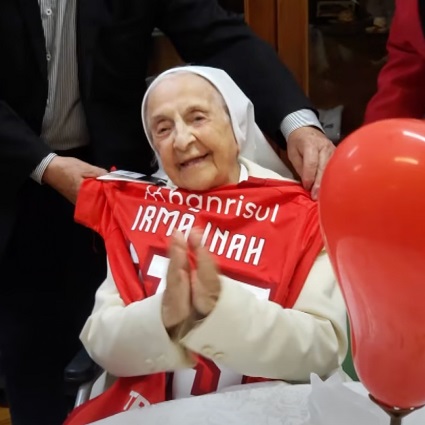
{"x": 199, "y": 160}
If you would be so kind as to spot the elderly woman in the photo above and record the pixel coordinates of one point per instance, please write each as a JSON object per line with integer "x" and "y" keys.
{"x": 219, "y": 277}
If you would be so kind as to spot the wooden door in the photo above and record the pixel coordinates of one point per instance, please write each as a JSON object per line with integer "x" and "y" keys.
{"x": 283, "y": 24}
{"x": 261, "y": 16}
{"x": 293, "y": 38}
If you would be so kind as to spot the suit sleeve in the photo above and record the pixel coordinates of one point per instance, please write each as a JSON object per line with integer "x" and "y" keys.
{"x": 204, "y": 33}
{"x": 266, "y": 340}
{"x": 21, "y": 150}
{"x": 401, "y": 82}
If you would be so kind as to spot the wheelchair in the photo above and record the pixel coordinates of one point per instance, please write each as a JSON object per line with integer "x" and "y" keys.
{"x": 79, "y": 377}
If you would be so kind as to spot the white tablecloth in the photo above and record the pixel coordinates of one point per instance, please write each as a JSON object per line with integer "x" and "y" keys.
{"x": 259, "y": 404}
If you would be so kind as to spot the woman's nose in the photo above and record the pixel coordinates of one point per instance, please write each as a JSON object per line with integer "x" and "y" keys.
{"x": 183, "y": 136}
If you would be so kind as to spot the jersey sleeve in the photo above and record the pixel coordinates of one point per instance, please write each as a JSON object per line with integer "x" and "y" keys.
{"x": 311, "y": 246}
{"x": 91, "y": 209}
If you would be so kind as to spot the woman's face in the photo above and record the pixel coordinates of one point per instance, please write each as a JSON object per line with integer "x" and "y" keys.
{"x": 192, "y": 132}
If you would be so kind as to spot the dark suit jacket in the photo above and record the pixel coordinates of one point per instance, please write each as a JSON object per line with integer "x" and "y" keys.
{"x": 401, "y": 82}
{"x": 113, "y": 44}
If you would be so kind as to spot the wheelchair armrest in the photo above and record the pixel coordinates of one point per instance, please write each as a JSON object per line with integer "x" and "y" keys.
{"x": 81, "y": 369}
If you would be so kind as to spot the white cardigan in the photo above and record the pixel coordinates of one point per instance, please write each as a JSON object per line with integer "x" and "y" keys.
{"x": 273, "y": 342}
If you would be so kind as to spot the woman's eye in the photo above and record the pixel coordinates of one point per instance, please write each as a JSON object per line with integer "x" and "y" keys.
{"x": 162, "y": 130}
{"x": 199, "y": 118}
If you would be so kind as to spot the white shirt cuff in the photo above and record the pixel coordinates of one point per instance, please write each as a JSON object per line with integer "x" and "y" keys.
{"x": 37, "y": 173}
{"x": 298, "y": 119}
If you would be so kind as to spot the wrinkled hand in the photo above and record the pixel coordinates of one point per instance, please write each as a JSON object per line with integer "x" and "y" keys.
{"x": 205, "y": 280}
{"x": 309, "y": 150}
{"x": 190, "y": 293}
{"x": 65, "y": 175}
{"x": 176, "y": 307}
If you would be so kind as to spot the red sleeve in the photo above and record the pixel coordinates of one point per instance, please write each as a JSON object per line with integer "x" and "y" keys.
{"x": 401, "y": 82}
{"x": 311, "y": 245}
{"x": 92, "y": 210}
{"x": 90, "y": 206}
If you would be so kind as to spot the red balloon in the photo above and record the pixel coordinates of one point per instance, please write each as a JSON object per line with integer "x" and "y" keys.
{"x": 372, "y": 212}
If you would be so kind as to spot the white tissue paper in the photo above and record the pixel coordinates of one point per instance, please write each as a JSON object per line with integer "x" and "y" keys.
{"x": 333, "y": 402}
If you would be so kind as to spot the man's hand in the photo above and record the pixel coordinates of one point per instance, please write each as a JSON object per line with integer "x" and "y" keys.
{"x": 176, "y": 307}
{"x": 309, "y": 150}
{"x": 205, "y": 280}
{"x": 65, "y": 175}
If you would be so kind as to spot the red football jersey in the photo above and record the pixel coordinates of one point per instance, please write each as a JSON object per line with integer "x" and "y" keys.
{"x": 262, "y": 233}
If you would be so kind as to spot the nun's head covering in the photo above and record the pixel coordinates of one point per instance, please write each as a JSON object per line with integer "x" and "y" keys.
{"x": 252, "y": 143}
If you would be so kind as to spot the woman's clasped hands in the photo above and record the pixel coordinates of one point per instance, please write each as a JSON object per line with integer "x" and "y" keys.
{"x": 192, "y": 291}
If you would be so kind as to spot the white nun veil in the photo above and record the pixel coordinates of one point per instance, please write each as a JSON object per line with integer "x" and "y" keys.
{"x": 253, "y": 144}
